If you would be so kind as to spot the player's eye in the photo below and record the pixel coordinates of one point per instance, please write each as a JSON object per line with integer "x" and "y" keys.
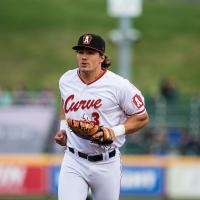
{"x": 90, "y": 52}
{"x": 80, "y": 51}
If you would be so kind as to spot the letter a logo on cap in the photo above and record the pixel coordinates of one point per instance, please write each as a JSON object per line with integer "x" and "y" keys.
{"x": 87, "y": 39}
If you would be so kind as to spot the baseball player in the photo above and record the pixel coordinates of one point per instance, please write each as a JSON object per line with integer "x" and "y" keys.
{"x": 98, "y": 109}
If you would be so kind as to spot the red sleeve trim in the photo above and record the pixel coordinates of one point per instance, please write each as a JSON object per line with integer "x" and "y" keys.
{"x": 137, "y": 112}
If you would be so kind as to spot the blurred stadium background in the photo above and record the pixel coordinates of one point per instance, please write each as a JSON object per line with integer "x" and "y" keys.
{"x": 161, "y": 161}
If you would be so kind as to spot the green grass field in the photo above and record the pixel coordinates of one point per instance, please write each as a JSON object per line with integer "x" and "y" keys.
{"x": 36, "y": 39}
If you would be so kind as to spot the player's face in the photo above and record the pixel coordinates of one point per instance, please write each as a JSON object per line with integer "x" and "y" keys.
{"x": 89, "y": 60}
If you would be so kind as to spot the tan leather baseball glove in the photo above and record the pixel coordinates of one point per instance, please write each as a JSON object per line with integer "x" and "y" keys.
{"x": 90, "y": 131}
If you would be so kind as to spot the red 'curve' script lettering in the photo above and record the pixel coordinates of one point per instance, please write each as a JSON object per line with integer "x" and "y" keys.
{"x": 73, "y": 106}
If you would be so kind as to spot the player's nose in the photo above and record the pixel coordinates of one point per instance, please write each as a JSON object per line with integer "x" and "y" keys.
{"x": 84, "y": 56}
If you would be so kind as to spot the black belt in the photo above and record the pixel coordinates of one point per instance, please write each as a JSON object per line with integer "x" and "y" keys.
{"x": 92, "y": 158}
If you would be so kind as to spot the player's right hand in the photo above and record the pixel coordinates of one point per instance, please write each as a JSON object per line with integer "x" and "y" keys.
{"x": 61, "y": 138}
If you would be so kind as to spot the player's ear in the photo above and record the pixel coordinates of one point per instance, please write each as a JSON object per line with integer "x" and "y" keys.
{"x": 102, "y": 57}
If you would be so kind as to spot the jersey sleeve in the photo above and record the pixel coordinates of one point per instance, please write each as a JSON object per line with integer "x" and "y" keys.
{"x": 131, "y": 99}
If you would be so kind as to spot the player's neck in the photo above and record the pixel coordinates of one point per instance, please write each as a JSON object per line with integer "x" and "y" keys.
{"x": 90, "y": 76}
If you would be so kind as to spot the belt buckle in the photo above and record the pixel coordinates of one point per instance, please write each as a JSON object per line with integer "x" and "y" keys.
{"x": 95, "y": 158}
{"x": 89, "y": 158}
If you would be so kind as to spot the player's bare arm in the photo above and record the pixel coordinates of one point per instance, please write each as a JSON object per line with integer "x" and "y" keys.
{"x": 136, "y": 122}
{"x": 131, "y": 125}
{"x": 61, "y": 136}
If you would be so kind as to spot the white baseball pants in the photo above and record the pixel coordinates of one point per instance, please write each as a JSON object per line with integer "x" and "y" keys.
{"x": 77, "y": 175}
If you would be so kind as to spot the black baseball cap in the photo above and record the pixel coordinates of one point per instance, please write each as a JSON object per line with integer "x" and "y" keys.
{"x": 91, "y": 41}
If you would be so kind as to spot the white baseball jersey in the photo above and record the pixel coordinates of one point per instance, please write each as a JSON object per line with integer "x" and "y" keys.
{"x": 108, "y": 101}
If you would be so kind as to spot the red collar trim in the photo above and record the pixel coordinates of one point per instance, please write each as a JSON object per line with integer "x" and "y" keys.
{"x": 92, "y": 81}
